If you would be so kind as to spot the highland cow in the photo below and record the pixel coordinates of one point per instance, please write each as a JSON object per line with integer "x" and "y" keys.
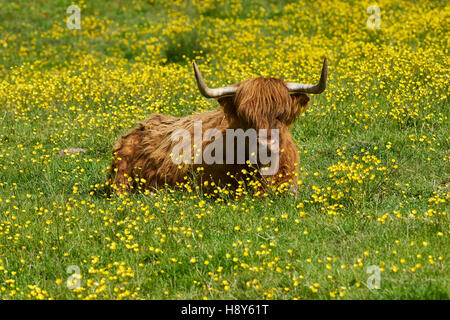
{"x": 144, "y": 156}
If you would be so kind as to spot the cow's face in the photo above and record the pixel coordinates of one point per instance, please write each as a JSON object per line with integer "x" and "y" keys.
{"x": 264, "y": 103}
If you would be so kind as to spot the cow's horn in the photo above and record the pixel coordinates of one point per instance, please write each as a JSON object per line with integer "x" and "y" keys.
{"x": 295, "y": 87}
{"x": 212, "y": 92}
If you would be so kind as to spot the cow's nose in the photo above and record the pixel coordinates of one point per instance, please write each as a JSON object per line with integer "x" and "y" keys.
{"x": 271, "y": 143}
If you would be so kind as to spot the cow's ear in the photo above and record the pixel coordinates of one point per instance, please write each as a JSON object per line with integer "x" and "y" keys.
{"x": 301, "y": 99}
{"x": 300, "y": 102}
{"x": 229, "y": 108}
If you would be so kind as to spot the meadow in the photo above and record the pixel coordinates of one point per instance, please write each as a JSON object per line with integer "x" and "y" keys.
{"x": 374, "y": 168}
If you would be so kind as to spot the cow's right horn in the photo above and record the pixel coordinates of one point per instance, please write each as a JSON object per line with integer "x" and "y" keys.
{"x": 295, "y": 87}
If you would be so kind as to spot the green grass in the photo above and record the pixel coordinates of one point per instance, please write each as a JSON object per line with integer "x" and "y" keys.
{"x": 387, "y": 94}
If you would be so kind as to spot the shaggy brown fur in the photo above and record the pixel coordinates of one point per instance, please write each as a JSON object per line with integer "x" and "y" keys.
{"x": 259, "y": 103}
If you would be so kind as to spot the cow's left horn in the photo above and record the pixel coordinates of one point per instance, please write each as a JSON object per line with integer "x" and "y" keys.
{"x": 295, "y": 87}
{"x": 212, "y": 92}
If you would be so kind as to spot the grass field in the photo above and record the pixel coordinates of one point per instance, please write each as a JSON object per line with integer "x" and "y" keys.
{"x": 374, "y": 168}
